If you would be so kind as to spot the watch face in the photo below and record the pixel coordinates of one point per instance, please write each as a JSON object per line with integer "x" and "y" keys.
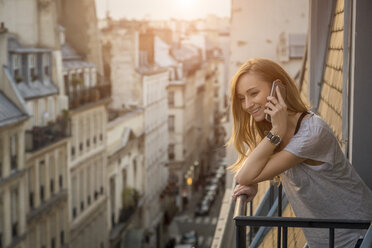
{"x": 275, "y": 139}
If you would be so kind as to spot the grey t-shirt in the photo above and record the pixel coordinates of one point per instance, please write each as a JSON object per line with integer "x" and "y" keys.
{"x": 332, "y": 190}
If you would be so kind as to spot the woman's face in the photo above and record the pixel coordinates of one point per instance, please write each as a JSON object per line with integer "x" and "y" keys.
{"x": 252, "y": 91}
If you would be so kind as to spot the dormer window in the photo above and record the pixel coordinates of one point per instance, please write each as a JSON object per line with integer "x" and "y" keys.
{"x": 31, "y": 66}
{"x": 16, "y": 66}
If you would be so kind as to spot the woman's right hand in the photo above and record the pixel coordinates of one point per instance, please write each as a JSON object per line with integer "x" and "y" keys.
{"x": 250, "y": 191}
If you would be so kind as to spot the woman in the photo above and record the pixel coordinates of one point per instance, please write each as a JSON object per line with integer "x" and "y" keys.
{"x": 298, "y": 146}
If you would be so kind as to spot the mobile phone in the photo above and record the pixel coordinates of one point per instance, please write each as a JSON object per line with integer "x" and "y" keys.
{"x": 283, "y": 92}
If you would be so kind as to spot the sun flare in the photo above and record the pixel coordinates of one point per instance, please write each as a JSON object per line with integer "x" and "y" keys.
{"x": 186, "y": 4}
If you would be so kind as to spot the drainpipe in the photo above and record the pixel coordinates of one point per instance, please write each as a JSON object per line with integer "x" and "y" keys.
{"x": 346, "y": 75}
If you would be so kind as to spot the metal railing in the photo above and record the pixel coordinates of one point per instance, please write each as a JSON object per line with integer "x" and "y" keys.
{"x": 282, "y": 223}
{"x": 41, "y": 136}
{"x": 84, "y": 96}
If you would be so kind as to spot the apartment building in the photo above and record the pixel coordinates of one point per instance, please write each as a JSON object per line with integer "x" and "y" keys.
{"x": 88, "y": 95}
{"x": 13, "y": 172}
{"x": 31, "y": 71}
{"x": 137, "y": 82}
{"x": 125, "y": 177}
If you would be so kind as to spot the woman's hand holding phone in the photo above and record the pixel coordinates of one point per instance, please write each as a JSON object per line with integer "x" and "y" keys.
{"x": 277, "y": 109}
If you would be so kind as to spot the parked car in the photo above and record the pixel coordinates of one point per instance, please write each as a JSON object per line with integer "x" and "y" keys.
{"x": 190, "y": 238}
{"x": 211, "y": 195}
{"x": 203, "y": 208}
{"x": 211, "y": 187}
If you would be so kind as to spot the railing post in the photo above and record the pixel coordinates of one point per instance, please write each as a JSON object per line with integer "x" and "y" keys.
{"x": 240, "y": 237}
{"x": 279, "y": 213}
{"x": 250, "y": 228}
{"x": 240, "y": 210}
{"x": 331, "y": 237}
{"x": 285, "y": 236}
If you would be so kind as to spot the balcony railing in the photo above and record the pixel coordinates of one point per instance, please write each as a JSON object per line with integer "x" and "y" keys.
{"x": 81, "y": 97}
{"x": 282, "y": 224}
{"x": 40, "y": 137}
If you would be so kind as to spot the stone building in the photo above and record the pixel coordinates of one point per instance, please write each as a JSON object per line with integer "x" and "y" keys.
{"x": 88, "y": 94}
{"x": 138, "y": 82}
{"x": 13, "y": 172}
{"x": 32, "y": 72}
{"x": 125, "y": 177}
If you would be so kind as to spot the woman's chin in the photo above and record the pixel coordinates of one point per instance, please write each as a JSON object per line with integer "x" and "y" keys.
{"x": 259, "y": 118}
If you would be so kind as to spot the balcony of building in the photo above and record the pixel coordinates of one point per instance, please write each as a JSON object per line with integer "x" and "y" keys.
{"x": 82, "y": 95}
{"x": 243, "y": 225}
{"x": 42, "y": 136}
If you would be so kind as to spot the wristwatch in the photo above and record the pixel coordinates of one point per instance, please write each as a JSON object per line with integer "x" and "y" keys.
{"x": 274, "y": 139}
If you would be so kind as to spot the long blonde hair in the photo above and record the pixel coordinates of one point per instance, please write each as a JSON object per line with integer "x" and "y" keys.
{"x": 247, "y": 133}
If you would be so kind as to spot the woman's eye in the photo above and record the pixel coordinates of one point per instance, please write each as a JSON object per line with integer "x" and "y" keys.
{"x": 241, "y": 99}
{"x": 254, "y": 93}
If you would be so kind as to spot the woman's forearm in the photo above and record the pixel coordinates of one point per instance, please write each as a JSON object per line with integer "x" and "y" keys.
{"x": 255, "y": 163}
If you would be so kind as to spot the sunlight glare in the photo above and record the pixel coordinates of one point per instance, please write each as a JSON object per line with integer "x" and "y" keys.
{"x": 186, "y": 4}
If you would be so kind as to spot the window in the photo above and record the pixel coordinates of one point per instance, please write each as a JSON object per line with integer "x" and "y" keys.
{"x": 81, "y": 190}
{"x": 31, "y": 186}
{"x": 171, "y": 123}
{"x": 81, "y": 134}
{"x": 43, "y": 118}
{"x": 32, "y": 67}
{"x": 297, "y": 44}
{"x": 87, "y": 129}
{"x": 88, "y": 185}
{"x": 13, "y": 145}
{"x": 42, "y": 178}
{"x": 52, "y": 235}
{"x": 46, "y": 64}
{"x": 16, "y": 68}
{"x": 91, "y": 175}
{"x": 96, "y": 178}
{"x": 51, "y": 174}
{"x": 14, "y": 212}
{"x": 171, "y": 155}
{"x": 61, "y": 169}
{"x": 74, "y": 196}
{"x": 51, "y": 108}
{"x": 171, "y": 98}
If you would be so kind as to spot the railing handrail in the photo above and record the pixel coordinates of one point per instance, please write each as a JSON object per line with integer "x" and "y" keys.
{"x": 240, "y": 206}
{"x": 302, "y": 222}
{"x": 241, "y": 221}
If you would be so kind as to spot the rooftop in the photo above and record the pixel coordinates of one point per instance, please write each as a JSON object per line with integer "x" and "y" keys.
{"x": 9, "y": 112}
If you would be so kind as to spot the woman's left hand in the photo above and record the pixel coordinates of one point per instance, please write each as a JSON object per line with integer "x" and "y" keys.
{"x": 250, "y": 191}
{"x": 277, "y": 109}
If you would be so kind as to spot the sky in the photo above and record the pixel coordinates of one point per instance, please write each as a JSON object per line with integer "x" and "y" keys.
{"x": 163, "y": 9}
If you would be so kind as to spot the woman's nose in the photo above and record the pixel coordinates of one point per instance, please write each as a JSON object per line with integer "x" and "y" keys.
{"x": 247, "y": 104}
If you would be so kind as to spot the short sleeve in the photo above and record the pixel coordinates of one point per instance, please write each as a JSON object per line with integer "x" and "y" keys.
{"x": 314, "y": 141}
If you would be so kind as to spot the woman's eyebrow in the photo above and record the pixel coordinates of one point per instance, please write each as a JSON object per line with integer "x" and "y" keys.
{"x": 247, "y": 91}
{"x": 250, "y": 89}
